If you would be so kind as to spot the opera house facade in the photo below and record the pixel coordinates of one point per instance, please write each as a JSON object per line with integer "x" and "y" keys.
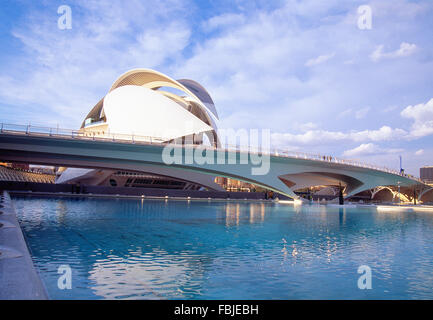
{"x": 148, "y": 105}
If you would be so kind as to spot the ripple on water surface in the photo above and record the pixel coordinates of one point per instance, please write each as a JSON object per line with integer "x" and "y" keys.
{"x": 130, "y": 249}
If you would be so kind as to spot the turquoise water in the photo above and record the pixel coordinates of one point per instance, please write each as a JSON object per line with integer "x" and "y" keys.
{"x": 120, "y": 249}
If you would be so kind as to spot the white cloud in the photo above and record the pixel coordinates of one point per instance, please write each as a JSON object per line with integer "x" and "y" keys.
{"x": 154, "y": 46}
{"x": 319, "y": 60}
{"x": 385, "y": 133}
{"x": 420, "y": 152}
{"x": 361, "y": 113}
{"x": 224, "y": 20}
{"x": 259, "y": 64}
{"x": 389, "y": 109}
{"x": 422, "y": 114}
{"x": 368, "y": 149}
{"x": 405, "y": 50}
{"x": 363, "y": 149}
{"x": 344, "y": 113}
{"x": 67, "y": 72}
{"x": 305, "y": 126}
{"x": 322, "y": 137}
{"x": 401, "y": 9}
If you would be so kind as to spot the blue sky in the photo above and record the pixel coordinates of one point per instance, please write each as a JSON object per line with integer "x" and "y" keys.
{"x": 300, "y": 68}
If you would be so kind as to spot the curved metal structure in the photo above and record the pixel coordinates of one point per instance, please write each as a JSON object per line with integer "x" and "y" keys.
{"x": 201, "y": 93}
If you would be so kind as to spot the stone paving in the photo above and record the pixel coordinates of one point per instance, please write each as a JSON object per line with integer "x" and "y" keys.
{"x": 19, "y": 279}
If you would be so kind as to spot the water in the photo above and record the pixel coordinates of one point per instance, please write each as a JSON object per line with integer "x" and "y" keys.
{"x": 133, "y": 249}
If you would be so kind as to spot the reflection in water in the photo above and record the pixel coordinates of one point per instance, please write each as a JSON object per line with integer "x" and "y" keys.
{"x": 153, "y": 275}
{"x": 257, "y": 212}
{"x": 253, "y": 213}
{"x": 232, "y": 214}
{"x": 342, "y": 216}
{"x": 227, "y": 250}
{"x": 61, "y": 211}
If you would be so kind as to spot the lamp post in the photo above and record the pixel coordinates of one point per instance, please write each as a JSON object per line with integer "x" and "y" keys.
{"x": 401, "y": 167}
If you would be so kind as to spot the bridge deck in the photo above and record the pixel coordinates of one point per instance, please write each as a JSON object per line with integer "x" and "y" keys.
{"x": 37, "y": 131}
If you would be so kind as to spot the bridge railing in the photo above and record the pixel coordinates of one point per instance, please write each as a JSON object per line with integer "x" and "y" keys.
{"x": 139, "y": 139}
{"x": 80, "y": 134}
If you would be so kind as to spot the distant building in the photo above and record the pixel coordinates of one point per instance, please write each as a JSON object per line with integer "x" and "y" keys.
{"x": 236, "y": 185}
{"x": 426, "y": 174}
{"x": 22, "y": 166}
{"x": 10, "y": 173}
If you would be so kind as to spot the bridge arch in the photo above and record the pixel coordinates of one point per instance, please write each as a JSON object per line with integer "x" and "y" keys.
{"x": 302, "y": 180}
{"x": 383, "y": 194}
{"x": 427, "y": 196}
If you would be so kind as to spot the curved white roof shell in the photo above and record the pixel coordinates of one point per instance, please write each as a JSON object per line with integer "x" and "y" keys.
{"x": 149, "y": 113}
{"x": 201, "y": 94}
{"x": 138, "y": 104}
{"x": 153, "y": 79}
{"x": 72, "y": 173}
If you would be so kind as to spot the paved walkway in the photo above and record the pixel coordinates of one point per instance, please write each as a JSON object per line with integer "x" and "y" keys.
{"x": 19, "y": 279}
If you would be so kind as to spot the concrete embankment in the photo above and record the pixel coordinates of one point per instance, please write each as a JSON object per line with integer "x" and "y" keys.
{"x": 13, "y": 186}
{"x": 19, "y": 279}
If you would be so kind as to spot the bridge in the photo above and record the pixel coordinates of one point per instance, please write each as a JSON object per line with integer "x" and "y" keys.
{"x": 288, "y": 171}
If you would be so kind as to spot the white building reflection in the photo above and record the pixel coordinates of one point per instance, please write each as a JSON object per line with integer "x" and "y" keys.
{"x": 152, "y": 275}
{"x": 235, "y": 213}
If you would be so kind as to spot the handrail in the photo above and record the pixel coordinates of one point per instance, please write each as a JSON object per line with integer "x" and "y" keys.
{"x": 137, "y": 139}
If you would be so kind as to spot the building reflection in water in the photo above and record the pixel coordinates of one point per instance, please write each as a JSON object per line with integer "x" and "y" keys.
{"x": 342, "y": 216}
{"x": 257, "y": 212}
{"x": 234, "y": 214}
{"x": 297, "y": 207}
{"x": 61, "y": 211}
{"x": 157, "y": 274}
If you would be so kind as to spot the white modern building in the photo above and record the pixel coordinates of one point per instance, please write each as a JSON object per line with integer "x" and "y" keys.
{"x": 144, "y": 104}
